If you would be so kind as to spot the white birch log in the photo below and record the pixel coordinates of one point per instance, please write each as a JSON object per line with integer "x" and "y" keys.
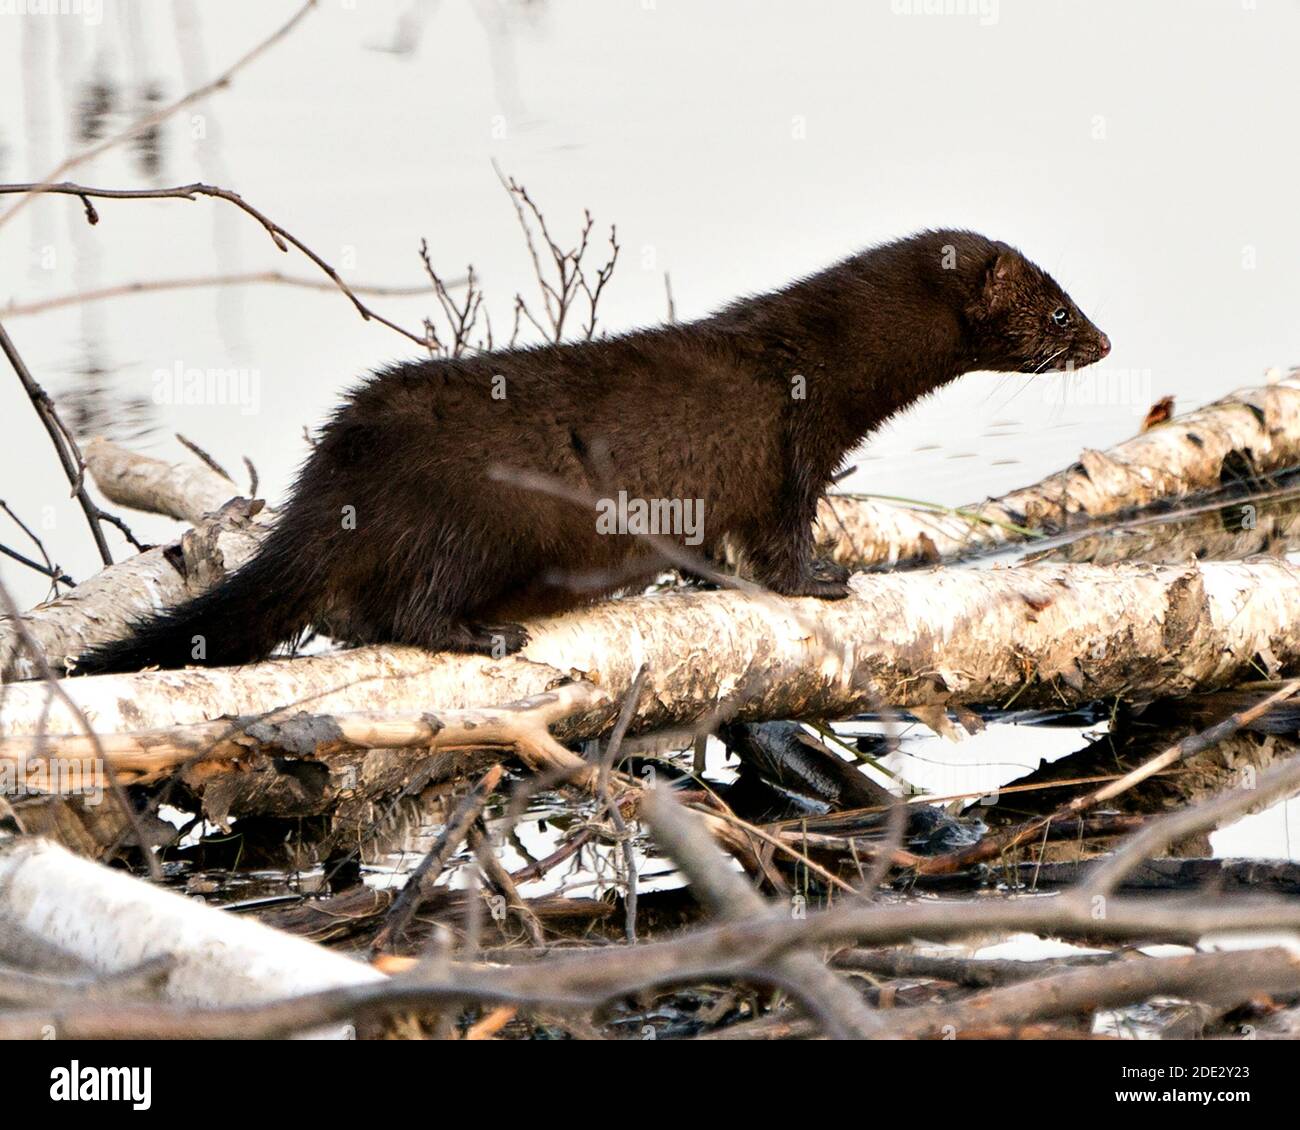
{"x": 107, "y": 921}
{"x": 225, "y": 534}
{"x": 1046, "y": 634}
{"x": 1257, "y": 428}
{"x": 185, "y": 491}
{"x": 104, "y": 607}
{"x": 1252, "y": 430}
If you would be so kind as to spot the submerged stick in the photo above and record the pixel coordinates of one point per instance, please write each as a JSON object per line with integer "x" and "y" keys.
{"x": 994, "y": 845}
{"x": 431, "y": 867}
{"x": 829, "y": 997}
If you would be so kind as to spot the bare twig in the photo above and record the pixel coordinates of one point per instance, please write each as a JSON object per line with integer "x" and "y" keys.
{"x": 830, "y": 998}
{"x": 570, "y": 276}
{"x": 65, "y": 446}
{"x": 462, "y": 318}
{"x": 496, "y": 874}
{"x": 279, "y": 236}
{"x": 602, "y": 277}
{"x": 431, "y": 866}
{"x": 149, "y": 121}
{"x": 247, "y": 278}
{"x": 49, "y": 569}
{"x": 191, "y": 446}
{"x": 973, "y": 972}
{"x": 607, "y": 762}
{"x": 1278, "y": 782}
{"x": 55, "y": 575}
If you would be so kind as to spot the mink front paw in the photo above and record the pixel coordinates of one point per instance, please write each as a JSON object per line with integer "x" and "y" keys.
{"x": 504, "y": 639}
{"x": 822, "y": 590}
{"x": 824, "y": 580}
{"x": 823, "y": 569}
{"x": 496, "y": 640}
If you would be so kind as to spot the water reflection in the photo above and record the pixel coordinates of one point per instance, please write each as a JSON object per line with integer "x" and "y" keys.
{"x": 94, "y": 404}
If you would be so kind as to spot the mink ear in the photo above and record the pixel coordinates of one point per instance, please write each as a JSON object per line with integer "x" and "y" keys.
{"x": 1000, "y": 278}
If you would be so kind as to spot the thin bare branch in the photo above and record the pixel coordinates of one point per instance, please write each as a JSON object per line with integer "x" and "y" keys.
{"x": 149, "y": 121}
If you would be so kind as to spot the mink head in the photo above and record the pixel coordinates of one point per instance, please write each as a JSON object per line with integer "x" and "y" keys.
{"x": 1021, "y": 321}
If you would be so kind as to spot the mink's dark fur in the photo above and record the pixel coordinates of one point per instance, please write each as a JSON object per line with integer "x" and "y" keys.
{"x": 412, "y": 521}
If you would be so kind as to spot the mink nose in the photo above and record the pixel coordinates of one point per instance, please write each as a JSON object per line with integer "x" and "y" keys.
{"x": 1103, "y": 345}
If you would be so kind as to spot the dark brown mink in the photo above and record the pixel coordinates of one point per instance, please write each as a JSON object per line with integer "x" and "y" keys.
{"x": 411, "y": 521}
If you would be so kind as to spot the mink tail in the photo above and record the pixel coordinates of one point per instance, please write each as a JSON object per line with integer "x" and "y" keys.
{"x": 270, "y": 599}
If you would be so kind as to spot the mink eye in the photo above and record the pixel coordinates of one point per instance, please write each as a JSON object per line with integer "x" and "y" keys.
{"x": 1061, "y": 316}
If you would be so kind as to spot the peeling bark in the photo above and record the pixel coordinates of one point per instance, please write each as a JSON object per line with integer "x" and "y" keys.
{"x": 1254, "y": 431}
{"x": 934, "y": 639}
{"x": 103, "y": 607}
{"x": 185, "y": 491}
{"x": 292, "y": 763}
{"x": 226, "y": 531}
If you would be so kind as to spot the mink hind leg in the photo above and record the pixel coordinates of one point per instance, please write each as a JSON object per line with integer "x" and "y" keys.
{"x": 436, "y": 630}
{"x": 435, "y": 610}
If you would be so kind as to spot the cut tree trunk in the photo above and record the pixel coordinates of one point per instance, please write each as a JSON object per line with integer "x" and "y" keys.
{"x": 103, "y": 607}
{"x": 187, "y": 492}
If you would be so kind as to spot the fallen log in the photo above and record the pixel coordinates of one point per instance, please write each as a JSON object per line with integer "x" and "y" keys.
{"x": 202, "y": 750}
{"x": 1055, "y": 635}
{"x": 109, "y": 922}
{"x": 1230, "y": 527}
{"x": 1248, "y": 433}
{"x": 187, "y": 491}
{"x": 225, "y": 532}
